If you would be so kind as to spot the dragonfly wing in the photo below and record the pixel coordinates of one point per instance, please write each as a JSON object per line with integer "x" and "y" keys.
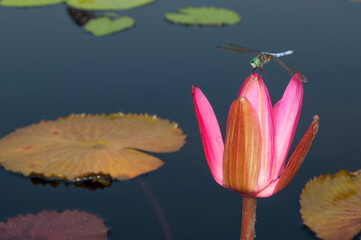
{"x": 243, "y": 50}
{"x": 290, "y": 70}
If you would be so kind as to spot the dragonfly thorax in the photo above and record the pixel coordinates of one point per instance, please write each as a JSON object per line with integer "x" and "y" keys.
{"x": 255, "y": 62}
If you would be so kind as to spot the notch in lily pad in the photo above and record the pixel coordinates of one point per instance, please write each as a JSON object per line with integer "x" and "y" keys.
{"x": 206, "y": 16}
{"x": 330, "y": 205}
{"x": 81, "y": 146}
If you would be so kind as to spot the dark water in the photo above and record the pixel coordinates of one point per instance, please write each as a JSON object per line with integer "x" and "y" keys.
{"x": 49, "y": 67}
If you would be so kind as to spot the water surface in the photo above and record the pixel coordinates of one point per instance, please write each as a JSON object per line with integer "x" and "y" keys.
{"x": 49, "y": 67}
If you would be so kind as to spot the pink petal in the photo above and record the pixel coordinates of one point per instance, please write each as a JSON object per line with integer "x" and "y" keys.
{"x": 294, "y": 163}
{"x": 286, "y": 115}
{"x": 276, "y": 108}
{"x": 267, "y": 191}
{"x": 257, "y": 94}
{"x": 298, "y": 155}
{"x": 211, "y": 134}
{"x": 242, "y": 152}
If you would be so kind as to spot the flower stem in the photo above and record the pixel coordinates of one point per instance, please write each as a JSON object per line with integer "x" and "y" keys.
{"x": 248, "y": 218}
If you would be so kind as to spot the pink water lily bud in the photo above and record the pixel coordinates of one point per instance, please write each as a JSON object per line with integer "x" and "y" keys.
{"x": 242, "y": 152}
{"x": 258, "y": 138}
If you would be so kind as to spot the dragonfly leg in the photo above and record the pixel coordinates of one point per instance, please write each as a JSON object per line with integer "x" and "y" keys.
{"x": 263, "y": 73}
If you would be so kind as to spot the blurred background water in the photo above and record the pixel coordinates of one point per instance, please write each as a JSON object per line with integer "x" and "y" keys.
{"x": 49, "y": 67}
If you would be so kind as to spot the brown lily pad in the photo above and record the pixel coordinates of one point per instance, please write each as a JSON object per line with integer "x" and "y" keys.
{"x": 81, "y": 146}
{"x": 51, "y": 225}
{"x": 331, "y": 205}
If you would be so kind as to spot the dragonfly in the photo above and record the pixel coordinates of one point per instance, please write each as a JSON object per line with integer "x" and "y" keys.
{"x": 259, "y": 58}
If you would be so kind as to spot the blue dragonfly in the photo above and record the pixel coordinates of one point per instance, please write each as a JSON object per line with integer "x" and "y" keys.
{"x": 259, "y": 58}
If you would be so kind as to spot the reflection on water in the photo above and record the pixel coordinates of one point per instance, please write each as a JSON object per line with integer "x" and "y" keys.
{"x": 91, "y": 183}
{"x": 80, "y": 17}
{"x": 106, "y": 182}
{"x": 158, "y": 210}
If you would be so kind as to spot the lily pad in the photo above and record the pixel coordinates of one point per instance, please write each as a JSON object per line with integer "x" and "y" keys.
{"x": 81, "y": 146}
{"x": 330, "y": 205}
{"x": 51, "y": 225}
{"x": 204, "y": 16}
{"x": 29, "y": 3}
{"x": 107, "y": 4}
{"x": 104, "y": 25}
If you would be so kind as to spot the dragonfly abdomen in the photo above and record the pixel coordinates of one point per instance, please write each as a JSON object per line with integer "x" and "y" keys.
{"x": 289, "y": 52}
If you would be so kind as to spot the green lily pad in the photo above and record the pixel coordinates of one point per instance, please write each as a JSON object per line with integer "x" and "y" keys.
{"x": 29, "y": 3}
{"x": 103, "y": 26}
{"x": 107, "y": 4}
{"x": 204, "y": 16}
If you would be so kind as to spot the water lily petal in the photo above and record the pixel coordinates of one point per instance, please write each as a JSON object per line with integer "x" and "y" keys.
{"x": 295, "y": 161}
{"x": 276, "y": 108}
{"x": 267, "y": 191}
{"x": 298, "y": 155}
{"x": 241, "y": 161}
{"x": 256, "y": 92}
{"x": 286, "y": 114}
{"x": 211, "y": 134}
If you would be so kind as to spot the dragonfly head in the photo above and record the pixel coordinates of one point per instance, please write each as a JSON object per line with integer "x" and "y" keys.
{"x": 255, "y": 62}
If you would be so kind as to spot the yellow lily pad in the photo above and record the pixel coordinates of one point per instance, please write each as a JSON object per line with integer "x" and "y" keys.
{"x": 80, "y": 146}
{"x": 331, "y": 205}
